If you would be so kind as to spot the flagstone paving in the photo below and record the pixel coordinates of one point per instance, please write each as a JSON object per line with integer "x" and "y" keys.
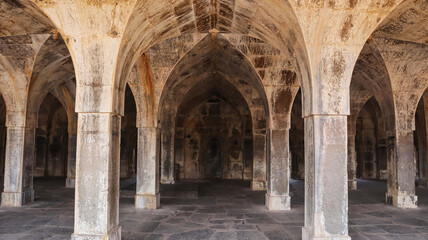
{"x": 223, "y": 210}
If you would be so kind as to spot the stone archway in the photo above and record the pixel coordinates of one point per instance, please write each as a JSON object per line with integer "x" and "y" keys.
{"x": 217, "y": 113}
{"x": 215, "y": 64}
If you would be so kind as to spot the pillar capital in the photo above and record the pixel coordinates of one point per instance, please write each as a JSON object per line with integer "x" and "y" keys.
{"x": 96, "y": 56}
{"x": 15, "y": 119}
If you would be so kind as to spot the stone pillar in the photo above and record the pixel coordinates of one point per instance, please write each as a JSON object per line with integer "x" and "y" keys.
{"x": 401, "y": 171}
{"x": 326, "y": 190}
{"x": 423, "y": 161}
{"x": 71, "y": 161}
{"x": 167, "y": 164}
{"x": 18, "y": 179}
{"x": 97, "y": 177}
{"x": 401, "y": 156}
{"x": 147, "y": 196}
{"x": 420, "y": 154}
{"x": 407, "y": 90}
{"x": 277, "y": 196}
{"x": 382, "y": 156}
{"x": 352, "y": 163}
{"x": 259, "y": 163}
{"x": 3, "y": 131}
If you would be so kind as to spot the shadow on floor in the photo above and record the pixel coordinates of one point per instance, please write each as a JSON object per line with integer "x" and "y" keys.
{"x": 222, "y": 210}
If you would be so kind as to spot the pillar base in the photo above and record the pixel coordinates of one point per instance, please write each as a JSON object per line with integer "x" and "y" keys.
{"x": 17, "y": 199}
{"x": 115, "y": 235}
{"x": 70, "y": 183}
{"x": 352, "y": 184}
{"x": 309, "y": 235}
{"x": 147, "y": 201}
{"x": 258, "y": 185}
{"x": 277, "y": 203}
{"x": 402, "y": 201}
{"x": 167, "y": 181}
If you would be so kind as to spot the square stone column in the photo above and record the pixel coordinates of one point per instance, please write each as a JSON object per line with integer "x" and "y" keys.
{"x": 259, "y": 163}
{"x": 18, "y": 179}
{"x": 71, "y": 161}
{"x": 401, "y": 171}
{"x": 3, "y": 132}
{"x": 167, "y": 165}
{"x": 352, "y": 163}
{"x": 147, "y": 196}
{"x": 326, "y": 180}
{"x": 277, "y": 196}
{"x": 423, "y": 160}
{"x": 97, "y": 177}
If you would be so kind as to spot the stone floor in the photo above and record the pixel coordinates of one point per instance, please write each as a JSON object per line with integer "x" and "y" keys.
{"x": 224, "y": 210}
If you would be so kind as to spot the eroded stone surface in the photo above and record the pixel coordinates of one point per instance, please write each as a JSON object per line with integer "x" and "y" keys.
{"x": 363, "y": 58}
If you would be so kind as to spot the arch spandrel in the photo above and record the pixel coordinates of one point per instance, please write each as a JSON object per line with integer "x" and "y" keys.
{"x": 52, "y": 67}
{"x": 17, "y": 59}
{"x": 20, "y": 18}
{"x": 407, "y": 65}
{"x": 407, "y": 22}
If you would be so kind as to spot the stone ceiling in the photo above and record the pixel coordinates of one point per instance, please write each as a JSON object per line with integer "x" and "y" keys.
{"x": 20, "y": 18}
{"x": 408, "y": 22}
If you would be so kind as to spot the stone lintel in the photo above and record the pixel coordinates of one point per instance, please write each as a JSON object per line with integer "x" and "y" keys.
{"x": 278, "y": 203}
{"x": 112, "y": 235}
{"x": 147, "y": 201}
{"x": 17, "y": 199}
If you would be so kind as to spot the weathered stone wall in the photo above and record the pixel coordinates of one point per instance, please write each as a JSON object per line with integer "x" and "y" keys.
{"x": 214, "y": 59}
{"x": 51, "y": 146}
{"x": 214, "y": 142}
{"x": 57, "y": 144}
{"x": 365, "y": 140}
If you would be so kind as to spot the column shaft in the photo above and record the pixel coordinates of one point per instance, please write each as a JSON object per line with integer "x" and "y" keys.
{"x": 97, "y": 177}
{"x": 259, "y": 163}
{"x": 18, "y": 183}
{"x": 147, "y": 196}
{"x": 3, "y": 132}
{"x": 424, "y": 161}
{"x": 401, "y": 169}
{"x": 71, "y": 161}
{"x": 326, "y": 190}
{"x": 352, "y": 163}
{"x": 167, "y": 166}
{"x": 277, "y": 196}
